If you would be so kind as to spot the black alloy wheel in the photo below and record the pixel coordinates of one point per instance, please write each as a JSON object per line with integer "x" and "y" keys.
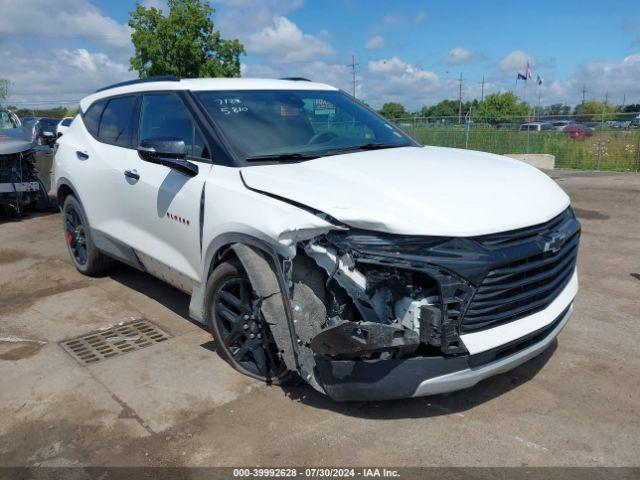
{"x": 75, "y": 235}
{"x": 242, "y": 335}
{"x": 87, "y": 258}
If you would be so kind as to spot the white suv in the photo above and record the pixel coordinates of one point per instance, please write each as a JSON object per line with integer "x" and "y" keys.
{"x": 315, "y": 238}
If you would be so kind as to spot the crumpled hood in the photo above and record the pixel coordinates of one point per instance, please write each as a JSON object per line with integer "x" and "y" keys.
{"x": 15, "y": 140}
{"x": 417, "y": 191}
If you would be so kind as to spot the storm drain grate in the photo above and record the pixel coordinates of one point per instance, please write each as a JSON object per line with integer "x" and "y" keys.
{"x": 117, "y": 340}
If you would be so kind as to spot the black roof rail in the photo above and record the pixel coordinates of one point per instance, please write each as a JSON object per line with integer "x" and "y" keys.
{"x": 162, "y": 78}
{"x": 296, "y": 79}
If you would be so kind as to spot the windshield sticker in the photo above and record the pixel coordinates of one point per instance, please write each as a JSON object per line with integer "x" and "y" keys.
{"x": 288, "y": 111}
{"x": 228, "y": 106}
{"x": 323, "y": 107}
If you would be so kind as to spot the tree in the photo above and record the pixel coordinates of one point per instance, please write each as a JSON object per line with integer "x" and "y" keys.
{"x": 444, "y": 108}
{"x": 557, "y": 109}
{"x": 57, "y": 112}
{"x": 593, "y": 110}
{"x": 498, "y": 107}
{"x": 393, "y": 110}
{"x": 183, "y": 43}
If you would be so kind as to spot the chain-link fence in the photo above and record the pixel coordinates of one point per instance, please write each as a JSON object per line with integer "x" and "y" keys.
{"x": 589, "y": 142}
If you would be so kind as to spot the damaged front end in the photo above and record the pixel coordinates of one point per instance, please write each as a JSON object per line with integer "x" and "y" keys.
{"x": 359, "y": 299}
{"x": 373, "y": 315}
{"x": 395, "y": 286}
{"x": 21, "y": 186}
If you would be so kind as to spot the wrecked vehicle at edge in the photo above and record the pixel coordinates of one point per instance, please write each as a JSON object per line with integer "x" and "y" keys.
{"x": 317, "y": 239}
{"x": 21, "y": 186}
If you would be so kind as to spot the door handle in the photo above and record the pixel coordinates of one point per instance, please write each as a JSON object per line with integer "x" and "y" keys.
{"x": 132, "y": 174}
{"x": 82, "y": 155}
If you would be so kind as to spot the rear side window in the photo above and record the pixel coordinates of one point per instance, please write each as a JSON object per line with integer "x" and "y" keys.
{"x": 66, "y": 122}
{"x": 164, "y": 115}
{"x": 92, "y": 117}
{"x": 117, "y": 123}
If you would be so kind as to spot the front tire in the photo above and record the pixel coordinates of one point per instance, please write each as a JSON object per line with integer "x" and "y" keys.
{"x": 242, "y": 336}
{"x": 86, "y": 257}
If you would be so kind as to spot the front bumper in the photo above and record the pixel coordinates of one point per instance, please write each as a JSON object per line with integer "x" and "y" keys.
{"x": 420, "y": 376}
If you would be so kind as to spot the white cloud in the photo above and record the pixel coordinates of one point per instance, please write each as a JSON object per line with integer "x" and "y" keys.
{"x": 615, "y": 78}
{"x": 336, "y": 74}
{"x": 516, "y": 61}
{"x": 393, "y": 19}
{"x": 420, "y": 17}
{"x": 60, "y": 76}
{"x": 459, "y": 55}
{"x": 284, "y": 42}
{"x": 394, "y": 79}
{"x": 377, "y": 41}
{"x": 631, "y": 59}
{"x": 62, "y": 18}
{"x": 242, "y": 18}
{"x": 159, "y": 4}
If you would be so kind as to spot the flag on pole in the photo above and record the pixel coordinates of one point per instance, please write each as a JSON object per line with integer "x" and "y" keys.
{"x": 521, "y": 77}
{"x": 528, "y": 70}
{"x": 539, "y": 80}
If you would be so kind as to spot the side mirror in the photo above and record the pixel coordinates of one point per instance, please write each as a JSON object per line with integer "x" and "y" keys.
{"x": 168, "y": 151}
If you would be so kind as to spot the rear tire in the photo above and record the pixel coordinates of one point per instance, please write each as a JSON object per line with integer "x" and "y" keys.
{"x": 242, "y": 337}
{"x": 86, "y": 257}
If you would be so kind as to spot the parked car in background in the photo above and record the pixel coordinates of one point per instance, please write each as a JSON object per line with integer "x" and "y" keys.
{"x": 21, "y": 186}
{"x": 63, "y": 126}
{"x": 578, "y": 131}
{"x": 46, "y": 130}
{"x": 618, "y": 125}
{"x": 559, "y": 125}
{"x": 535, "y": 127}
{"x": 29, "y": 120}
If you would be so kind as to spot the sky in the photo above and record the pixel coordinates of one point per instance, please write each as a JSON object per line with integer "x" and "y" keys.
{"x": 412, "y": 52}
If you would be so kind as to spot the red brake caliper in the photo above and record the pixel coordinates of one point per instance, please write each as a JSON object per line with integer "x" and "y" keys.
{"x": 69, "y": 237}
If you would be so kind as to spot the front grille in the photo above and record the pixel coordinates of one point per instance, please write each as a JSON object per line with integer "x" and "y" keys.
{"x": 523, "y": 235}
{"x": 521, "y": 287}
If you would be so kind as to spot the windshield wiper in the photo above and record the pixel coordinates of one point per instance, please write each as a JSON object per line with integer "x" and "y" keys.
{"x": 363, "y": 147}
{"x": 292, "y": 157}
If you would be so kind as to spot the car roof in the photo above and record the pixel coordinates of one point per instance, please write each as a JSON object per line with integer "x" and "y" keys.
{"x": 200, "y": 84}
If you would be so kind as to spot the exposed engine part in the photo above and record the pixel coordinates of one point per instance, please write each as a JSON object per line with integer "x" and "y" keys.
{"x": 341, "y": 268}
{"x": 409, "y": 311}
{"x": 389, "y": 286}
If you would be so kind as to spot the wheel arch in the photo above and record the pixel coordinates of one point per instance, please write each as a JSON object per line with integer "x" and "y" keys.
{"x": 220, "y": 249}
{"x": 261, "y": 261}
{"x": 65, "y": 188}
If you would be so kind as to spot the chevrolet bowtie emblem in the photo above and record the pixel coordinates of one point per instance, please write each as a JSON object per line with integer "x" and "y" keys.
{"x": 553, "y": 241}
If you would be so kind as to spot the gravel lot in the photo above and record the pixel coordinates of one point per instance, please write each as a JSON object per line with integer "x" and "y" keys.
{"x": 176, "y": 403}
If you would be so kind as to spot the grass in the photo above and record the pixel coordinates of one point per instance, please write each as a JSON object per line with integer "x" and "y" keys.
{"x": 617, "y": 150}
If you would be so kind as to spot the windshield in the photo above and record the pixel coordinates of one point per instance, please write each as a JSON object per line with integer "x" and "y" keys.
{"x": 48, "y": 122}
{"x": 298, "y": 124}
